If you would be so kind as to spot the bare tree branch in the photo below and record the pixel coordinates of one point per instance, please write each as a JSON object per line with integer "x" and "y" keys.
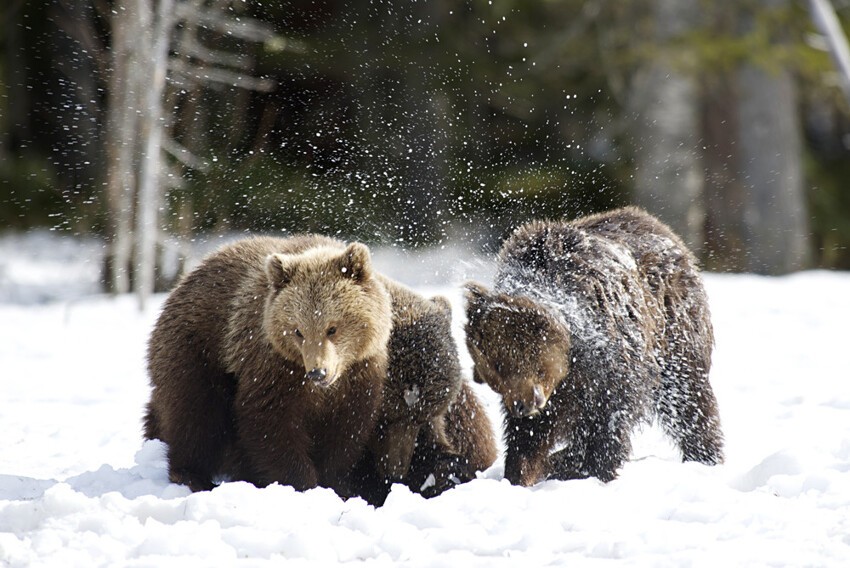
{"x": 242, "y": 28}
{"x": 204, "y": 74}
{"x": 193, "y": 48}
{"x": 150, "y": 55}
{"x": 183, "y": 155}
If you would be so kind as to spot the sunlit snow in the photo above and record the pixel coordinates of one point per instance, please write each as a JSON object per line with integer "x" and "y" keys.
{"x": 78, "y": 487}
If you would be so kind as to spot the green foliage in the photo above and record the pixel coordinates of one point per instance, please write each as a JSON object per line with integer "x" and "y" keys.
{"x": 29, "y": 196}
{"x": 262, "y": 194}
{"x": 829, "y": 204}
{"x": 505, "y": 198}
{"x": 507, "y": 110}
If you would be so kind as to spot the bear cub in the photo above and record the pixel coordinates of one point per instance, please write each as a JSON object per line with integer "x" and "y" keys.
{"x": 267, "y": 364}
{"x": 432, "y": 431}
{"x": 593, "y": 326}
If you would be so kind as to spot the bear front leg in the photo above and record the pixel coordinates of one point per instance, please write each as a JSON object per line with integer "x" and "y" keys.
{"x": 437, "y": 466}
{"x": 566, "y": 464}
{"x": 347, "y": 426}
{"x": 597, "y": 449}
{"x": 528, "y": 441}
{"x": 282, "y": 458}
{"x": 275, "y": 440}
{"x": 394, "y": 446}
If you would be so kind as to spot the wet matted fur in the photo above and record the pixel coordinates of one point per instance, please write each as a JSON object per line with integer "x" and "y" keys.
{"x": 593, "y": 326}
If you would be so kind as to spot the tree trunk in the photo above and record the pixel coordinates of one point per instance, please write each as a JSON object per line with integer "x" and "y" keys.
{"x": 426, "y": 159}
{"x": 826, "y": 20}
{"x": 425, "y": 169}
{"x": 150, "y": 200}
{"x": 121, "y": 137}
{"x": 666, "y": 103}
{"x": 725, "y": 195}
{"x": 758, "y": 213}
{"x": 770, "y": 155}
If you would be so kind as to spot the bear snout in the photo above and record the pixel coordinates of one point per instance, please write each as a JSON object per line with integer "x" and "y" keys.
{"x": 530, "y": 408}
{"x": 524, "y": 410}
{"x": 320, "y": 377}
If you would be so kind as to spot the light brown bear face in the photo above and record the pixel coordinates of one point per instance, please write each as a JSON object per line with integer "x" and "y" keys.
{"x": 519, "y": 349}
{"x": 326, "y": 310}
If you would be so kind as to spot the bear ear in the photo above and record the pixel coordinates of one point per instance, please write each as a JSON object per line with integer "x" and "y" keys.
{"x": 280, "y": 268}
{"x": 356, "y": 262}
{"x": 475, "y": 293}
{"x": 443, "y": 305}
{"x": 476, "y": 296}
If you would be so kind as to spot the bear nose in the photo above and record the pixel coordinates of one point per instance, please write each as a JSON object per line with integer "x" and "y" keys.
{"x": 525, "y": 410}
{"x": 519, "y": 408}
{"x": 317, "y": 375}
{"x": 539, "y": 397}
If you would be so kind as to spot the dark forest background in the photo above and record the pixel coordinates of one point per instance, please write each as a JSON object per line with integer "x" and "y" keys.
{"x": 418, "y": 123}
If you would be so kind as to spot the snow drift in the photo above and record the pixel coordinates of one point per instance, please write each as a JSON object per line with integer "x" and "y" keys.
{"x": 79, "y": 488}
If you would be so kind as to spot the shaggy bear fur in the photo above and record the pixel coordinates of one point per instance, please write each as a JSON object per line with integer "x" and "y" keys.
{"x": 431, "y": 421}
{"x": 593, "y": 326}
{"x": 268, "y": 363}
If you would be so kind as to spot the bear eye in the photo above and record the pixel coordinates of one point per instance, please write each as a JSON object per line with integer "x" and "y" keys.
{"x": 331, "y": 331}
{"x": 299, "y": 334}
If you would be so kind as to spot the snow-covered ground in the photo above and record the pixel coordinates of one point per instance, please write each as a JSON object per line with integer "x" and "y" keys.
{"x": 78, "y": 487}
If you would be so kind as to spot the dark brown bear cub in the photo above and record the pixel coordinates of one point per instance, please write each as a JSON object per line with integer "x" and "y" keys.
{"x": 268, "y": 363}
{"x": 432, "y": 432}
{"x": 593, "y": 326}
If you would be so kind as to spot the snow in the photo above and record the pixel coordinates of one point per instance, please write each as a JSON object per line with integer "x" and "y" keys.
{"x": 78, "y": 487}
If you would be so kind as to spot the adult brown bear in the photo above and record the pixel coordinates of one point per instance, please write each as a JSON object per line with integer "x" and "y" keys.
{"x": 593, "y": 326}
{"x": 268, "y": 364}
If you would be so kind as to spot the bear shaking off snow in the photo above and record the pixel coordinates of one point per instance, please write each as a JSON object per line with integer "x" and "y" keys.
{"x": 268, "y": 363}
{"x": 592, "y": 327}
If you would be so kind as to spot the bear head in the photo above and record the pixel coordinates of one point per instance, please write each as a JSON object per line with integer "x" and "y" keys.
{"x": 423, "y": 379}
{"x": 326, "y": 310}
{"x": 518, "y": 348}
{"x": 424, "y": 371}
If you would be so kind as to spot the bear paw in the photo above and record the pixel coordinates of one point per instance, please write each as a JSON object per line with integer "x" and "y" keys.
{"x": 448, "y": 471}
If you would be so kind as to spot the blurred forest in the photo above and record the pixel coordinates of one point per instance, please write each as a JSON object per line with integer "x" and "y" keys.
{"x": 424, "y": 122}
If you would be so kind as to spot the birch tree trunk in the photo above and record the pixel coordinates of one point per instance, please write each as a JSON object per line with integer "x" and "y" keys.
{"x": 136, "y": 138}
{"x": 426, "y": 171}
{"x": 826, "y": 20}
{"x": 150, "y": 199}
{"x": 665, "y": 101}
{"x": 121, "y": 137}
